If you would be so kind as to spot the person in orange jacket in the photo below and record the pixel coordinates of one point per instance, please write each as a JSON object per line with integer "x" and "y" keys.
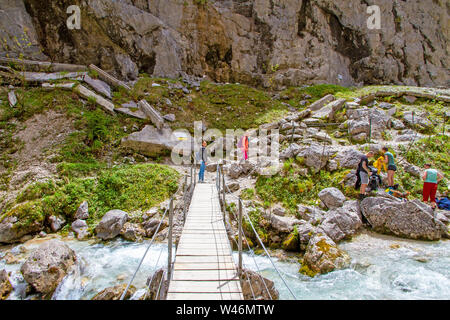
{"x": 243, "y": 144}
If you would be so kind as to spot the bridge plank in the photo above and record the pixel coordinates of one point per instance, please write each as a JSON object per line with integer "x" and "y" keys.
{"x": 204, "y": 268}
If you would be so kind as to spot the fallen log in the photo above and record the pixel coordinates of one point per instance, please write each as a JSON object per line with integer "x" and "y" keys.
{"x": 151, "y": 113}
{"x": 86, "y": 93}
{"x": 108, "y": 78}
{"x": 45, "y": 66}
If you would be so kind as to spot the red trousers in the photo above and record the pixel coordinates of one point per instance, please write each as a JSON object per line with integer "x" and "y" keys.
{"x": 429, "y": 191}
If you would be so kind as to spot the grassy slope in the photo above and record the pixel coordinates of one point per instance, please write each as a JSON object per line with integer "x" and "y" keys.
{"x": 85, "y": 160}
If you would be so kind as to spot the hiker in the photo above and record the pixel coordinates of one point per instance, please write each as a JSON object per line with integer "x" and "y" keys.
{"x": 431, "y": 179}
{"x": 201, "y": 156}
{"x": 363, "y": 172}
{"x": 243, "y": 144}
{"x": 389, "y": 159}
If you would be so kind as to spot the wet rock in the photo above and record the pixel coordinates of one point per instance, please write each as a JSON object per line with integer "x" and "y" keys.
{"x": 342, "y": 222}
{"x": 256, "y": 287}
{"x": 157, "y": 286}
{"x": 332, "y": 198}
{"x": 406, "y": 219}
{"x": 111, "y": 224}
{"x": 48, "y": 265}
{"x": 80, "y": 228}
{"x": 132, "y": 232}
{"x": 56, "y": 222}
{"x": 114, "y": 293}
{"x": 83, "y": 211}
{"x": 323, "y": 256}
{"x": 5, "y": 285}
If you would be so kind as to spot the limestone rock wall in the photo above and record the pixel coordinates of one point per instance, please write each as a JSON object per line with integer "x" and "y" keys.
{"x": 310, "y": 41}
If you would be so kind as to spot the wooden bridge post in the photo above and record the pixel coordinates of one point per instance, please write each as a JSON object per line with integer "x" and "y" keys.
{"x": 169, "y": 256}
{"x": 240, "y": 238}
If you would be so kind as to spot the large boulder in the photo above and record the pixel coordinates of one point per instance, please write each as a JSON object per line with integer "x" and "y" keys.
{"x": 323, "y": 256}
{"x": 256, "y": 287}
{"x": 12, "y": 228}
{"x": 114, "y": 293}
{"x": 151, "y": 225}
{"x": 406, "y": 219}
{"x": 157, "y": 286}
{"x": 111, "y": 224}
{"x": 5, "y": 285}
{"x": 348, "y": 158}
{"x": 332, "y": 198}
{"x": 316, "y": 156}
{"x": 312, "y": 214}
{"x": 151, "y": 142}
{"x": 282, "y": 224}
{"x": 342, "y": 222}
{"x": 48, "y": 265}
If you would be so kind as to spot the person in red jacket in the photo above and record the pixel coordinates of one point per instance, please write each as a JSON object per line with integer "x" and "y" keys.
{"x": 243, "y": 144}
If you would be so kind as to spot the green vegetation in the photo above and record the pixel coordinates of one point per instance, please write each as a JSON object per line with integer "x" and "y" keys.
{"x": 291, "y": 188}
{"x": 129, "y": 188}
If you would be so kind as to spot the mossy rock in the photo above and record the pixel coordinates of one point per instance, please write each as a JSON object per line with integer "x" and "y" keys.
{"x": 291, "y": 243}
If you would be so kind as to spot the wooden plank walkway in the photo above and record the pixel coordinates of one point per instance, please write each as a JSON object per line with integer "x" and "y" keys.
{"x": 204, "y": 268}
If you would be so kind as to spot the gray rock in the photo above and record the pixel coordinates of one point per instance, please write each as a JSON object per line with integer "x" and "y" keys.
{"x": 313, "y": 215}
{"x": 278, "y": 210}
{"x": 115, "y": 293}
{"x": 319, "y": 104}
{"x": 412, "y": 169}
{"x": 410, "y": 99}
{"x": 80, "y": 228}
{"x": 152, "y": 142}
{"x": 340, "y": 223}
{"x": 99, "y": 86}
{"x": 12, "y": 98}
{"x": 305, "y": 232}
{"x": 233, "y": 186}
{"x": 290, "y": 152}
{"x": 328, "y": 112}
{"x": 283, "y": 224}
{"x": 157, "y": 286}
{"x": 169, "y": 117}
{"x": 397, "y": 124}
{"x": 332, "y": 198}
{"x": 254, "y": 286}
{"x": 48, "y": 265}
{"x": 111, "y": 224}
{"x": 323, "y": 256}
{"x": 132, "y": 232}
{"x": 348, "y": 158}
{"x": 12, "y": 229}
{"x": 235, "y": 170}
{"x": 83, "y": 211}
{"x": 385, "y": 105}
{"x": 5, "y": 285}
{"x": 409, "y": 219}
{"x": 419, "y": 120}
{"x": 151, "y": 226}
{"x": 56, "y": 222}
{"x": 316, "y": 156}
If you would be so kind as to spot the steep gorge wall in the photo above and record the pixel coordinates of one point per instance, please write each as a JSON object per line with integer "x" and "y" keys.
{"x": 311, "y": 41}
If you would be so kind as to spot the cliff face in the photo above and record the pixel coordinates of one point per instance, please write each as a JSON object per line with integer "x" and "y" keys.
{"x": 261, "y": 42}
